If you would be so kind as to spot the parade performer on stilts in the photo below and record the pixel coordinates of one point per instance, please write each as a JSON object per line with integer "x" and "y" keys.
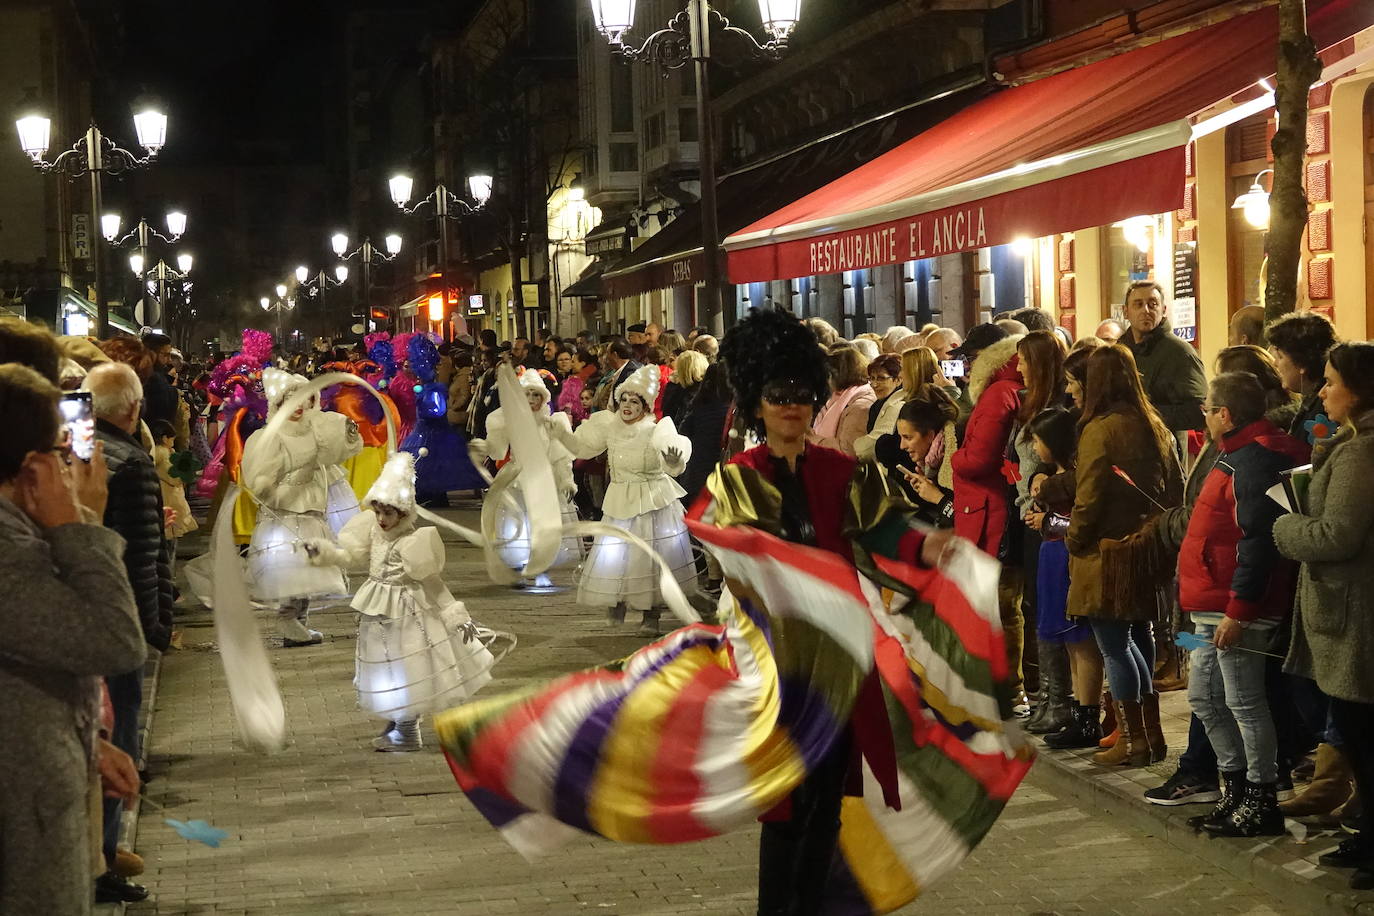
{"x": 289, "y": 477}
{"x": 854, "y": 695}
{"x": 418, "y": 649}
{"x": 513, "y": 515}
{"x": 644, "y": 455}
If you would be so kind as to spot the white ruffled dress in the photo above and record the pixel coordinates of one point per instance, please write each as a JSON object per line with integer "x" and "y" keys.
{"x": 290, "y": 478}
{"x": 512, "y": 522}
{"x": 417, "y": 653}
{"x": 642, "y": 499}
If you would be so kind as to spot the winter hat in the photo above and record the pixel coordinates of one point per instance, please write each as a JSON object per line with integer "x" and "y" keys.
{"x": 395, "y": 486}
{"x": 531, "y": 380}
{"x": 643, "y": 382}
{"x": 278, "y": 386}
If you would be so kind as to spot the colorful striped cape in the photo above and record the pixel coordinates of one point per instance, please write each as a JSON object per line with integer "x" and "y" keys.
{"x": 711, "y": 727}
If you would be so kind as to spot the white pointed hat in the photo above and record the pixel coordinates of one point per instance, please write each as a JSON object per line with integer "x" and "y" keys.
{"x": 531, "y": 380}
{"x": 395, "y": 486}
{"x": 643, "y": 382}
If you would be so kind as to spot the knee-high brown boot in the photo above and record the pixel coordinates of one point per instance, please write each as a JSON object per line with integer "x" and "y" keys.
{"x": 1154, "y": 731}
{"x": 1330, "y": 787}
{"x": 1131, "y": 749}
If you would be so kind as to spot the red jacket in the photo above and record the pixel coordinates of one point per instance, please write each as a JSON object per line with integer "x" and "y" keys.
{"x": 826, "y": 474}
{"x": 1229, "y": 562}
{"x": 982, "y": 496}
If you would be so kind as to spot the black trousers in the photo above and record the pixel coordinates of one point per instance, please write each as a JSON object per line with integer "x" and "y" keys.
{"x": 1355, "y": 722}
{"x": 795, "y": 855}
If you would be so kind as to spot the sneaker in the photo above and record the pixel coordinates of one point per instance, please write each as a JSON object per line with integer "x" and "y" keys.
{"x": 110, "y": 888}
{"x": 1352, "y": 853}
{"x": 1184, "y": 789}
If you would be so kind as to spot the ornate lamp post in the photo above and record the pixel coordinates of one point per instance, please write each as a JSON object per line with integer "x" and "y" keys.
{"x": 95, "y": 155}
{"x": 279, "y": 305}
{"x": 367, "y": 254}
{"x": 687, "y": 38}
{"x": 447, "y": 206}
{"x": 154, "y": 280}
{"x": 141, "y": 234}
{"x": 320, "y": 283}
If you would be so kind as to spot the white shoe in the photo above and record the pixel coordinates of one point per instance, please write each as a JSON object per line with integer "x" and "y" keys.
{"x": 403, "y": 738}
{"x": 294, "y": 633}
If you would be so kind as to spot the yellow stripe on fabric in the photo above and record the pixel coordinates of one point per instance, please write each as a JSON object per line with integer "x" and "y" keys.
{"x": 364, "y": 468}
{"x": 774, "y": 764}
{"x": 880, "y": 874}
{"x": 245, "y": 518}
{"x": 936, "y": 699}
{"x": 620, "y": 797}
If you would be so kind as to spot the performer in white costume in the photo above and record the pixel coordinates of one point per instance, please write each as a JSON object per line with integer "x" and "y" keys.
{"x": 642, "y": 498}
{"x": 418, "y": 649}
{"x": 512, "y": 525}
{"x": 289, "y": 477}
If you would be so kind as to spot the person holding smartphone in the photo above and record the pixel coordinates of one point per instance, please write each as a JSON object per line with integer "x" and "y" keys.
{"x": 69, "y": 619}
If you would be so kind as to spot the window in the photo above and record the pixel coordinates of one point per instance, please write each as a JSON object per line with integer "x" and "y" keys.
{"x": 622, "y": 99}
{"x": 687, "y": 125}
{"x": 624, "y": 157}
{"x": 655, "y": 129}
{"x": 858, "y": 303}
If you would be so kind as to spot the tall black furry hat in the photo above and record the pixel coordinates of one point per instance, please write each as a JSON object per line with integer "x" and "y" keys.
{"x": 771, "y": 345}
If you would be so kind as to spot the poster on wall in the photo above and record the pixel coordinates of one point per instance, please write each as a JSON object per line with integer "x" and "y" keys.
{"x": 1183, "y": 311}
{"x": 81, "y": 236}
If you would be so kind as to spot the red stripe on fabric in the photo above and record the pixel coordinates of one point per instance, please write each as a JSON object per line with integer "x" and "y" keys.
{"x": 978, "y": 637}
{"x": 493, "y": 749}
{"x": 807, "y": 561}
{"x": 671, "y": 818}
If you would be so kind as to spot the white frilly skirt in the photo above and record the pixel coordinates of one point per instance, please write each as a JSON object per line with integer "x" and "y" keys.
{"x": 414, "y": 665}
{"x": 278, "y": 568}
{"x": 513, "y": 534}
{"x": 341, "y": 503}
{"x": 615, "y": 573}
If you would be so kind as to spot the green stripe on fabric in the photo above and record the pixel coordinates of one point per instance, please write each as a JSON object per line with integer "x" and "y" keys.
{"x": 804, "y": 652}
{"x": 949, "y": 789}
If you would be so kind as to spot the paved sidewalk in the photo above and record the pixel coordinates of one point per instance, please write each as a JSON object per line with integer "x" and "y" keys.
{"x": 329, "y": 826}
{"x": 1282, "y": 866}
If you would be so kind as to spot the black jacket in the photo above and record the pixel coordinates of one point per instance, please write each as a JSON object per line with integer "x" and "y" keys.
{"x": 134, "y": 511}
{"x": 160, "y": 399}
{"x": 704, "y": 427}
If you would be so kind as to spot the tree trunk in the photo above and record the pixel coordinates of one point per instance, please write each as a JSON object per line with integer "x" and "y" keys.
{"x": 1298, "y": 69}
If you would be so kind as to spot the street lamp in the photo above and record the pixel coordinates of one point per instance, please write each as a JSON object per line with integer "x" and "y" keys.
{"x": 279, "y": 305}
{"x": 447, "y": 206}
{"x": 154, "y": 280}
{"x": 367, "y": 253}
{"x": 1254, "y": 203}
{"x": 142, "y": 232}
{"x": 94, "y": 154}
{"x": 687, "y": 37}
{"x": 320, "y": 283}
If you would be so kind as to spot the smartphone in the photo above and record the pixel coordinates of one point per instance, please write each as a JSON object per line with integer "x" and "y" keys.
{"x": 952, "y": 368}
{"x": 78, "y": 421}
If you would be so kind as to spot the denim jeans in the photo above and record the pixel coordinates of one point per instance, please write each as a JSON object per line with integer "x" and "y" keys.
{"x": 1128, "y": 649}
{"x": 1226, "y": 691}
{"x": 1199, "y": 760}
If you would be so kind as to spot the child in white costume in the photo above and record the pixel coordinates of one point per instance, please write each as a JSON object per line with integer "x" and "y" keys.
{"x": 512, "y": 526}
{"x": 289, "y": 477}
{"x": 643, "y": 457}
{"x": 418, "y": 649}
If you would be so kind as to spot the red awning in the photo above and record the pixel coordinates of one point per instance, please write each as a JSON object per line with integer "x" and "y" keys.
{"x": 1085, "y": 147}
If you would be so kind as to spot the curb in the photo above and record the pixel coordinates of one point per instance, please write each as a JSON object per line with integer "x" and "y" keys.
{"x": 1276, "y": 865}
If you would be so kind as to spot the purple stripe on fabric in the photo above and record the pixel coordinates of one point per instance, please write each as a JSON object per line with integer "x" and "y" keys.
{"x": 842, "y": 894}
{"x": 808, "y": 718}
{"x": 758, "y": 617}
{"x": 576, "y": 772}
{"x": 964, "y": 732}
{"x": 497, "y": 810}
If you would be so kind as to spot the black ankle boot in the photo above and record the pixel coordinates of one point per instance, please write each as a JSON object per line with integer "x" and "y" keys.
{"x": 1084, "y": 730}
{"x": 1232, "y": 790}
{"x": 1257, "y": 814}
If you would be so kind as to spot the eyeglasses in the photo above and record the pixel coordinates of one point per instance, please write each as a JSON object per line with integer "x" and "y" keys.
{"x": 880, "y": 378}
{"x": 1209, "y": 409}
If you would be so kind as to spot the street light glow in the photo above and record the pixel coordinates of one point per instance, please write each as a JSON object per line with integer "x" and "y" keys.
{"x": 109, "y": 226}
{"x": 613, "y": 17}
{"x": 35, "y": 134}
{"x": 780, "y": 17}
{"x": 184, "y": 261}
{"x": 136, "y": 264}
{"x": 281, "y": 290}
{"x": 151, "y": 127}
{"x": 341, "y": 273}
{"x": 302, "y": 274}
{"x": 176, "y": 223}
{"x": 265, "y": 303}
{"x": 393, "y": 244}
{"x": 1254, "y": 203}
{"x": 339, "y": 242}
{"x": 401, "y": 186}
{"x": 480, "y": 185}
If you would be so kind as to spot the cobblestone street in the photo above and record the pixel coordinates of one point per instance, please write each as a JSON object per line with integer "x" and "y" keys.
{"x": 329, "y": 826}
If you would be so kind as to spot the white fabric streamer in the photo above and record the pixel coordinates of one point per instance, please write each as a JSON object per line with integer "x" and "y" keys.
{"x": 252, "y": 682}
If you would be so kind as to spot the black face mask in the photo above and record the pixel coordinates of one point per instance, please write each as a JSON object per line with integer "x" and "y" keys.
{"x": 787, "y": 392}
